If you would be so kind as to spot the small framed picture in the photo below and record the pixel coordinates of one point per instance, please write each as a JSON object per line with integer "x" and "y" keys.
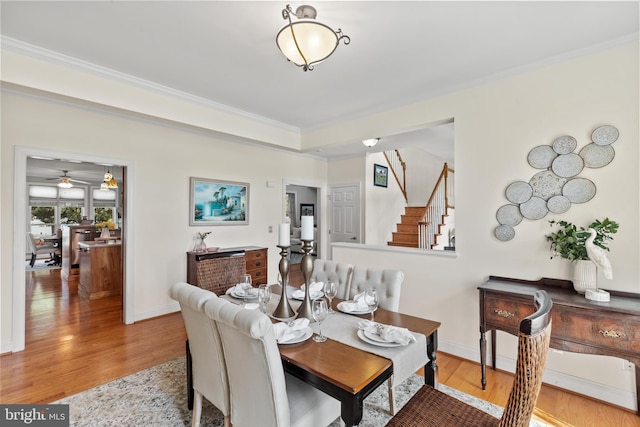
{"x": 216, "y": 202}
{"x": 307, "y": 209}
{"x": 380, "y": 175}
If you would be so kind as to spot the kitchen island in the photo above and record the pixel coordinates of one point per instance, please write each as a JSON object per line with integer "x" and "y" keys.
{"x": 100, "y": 269}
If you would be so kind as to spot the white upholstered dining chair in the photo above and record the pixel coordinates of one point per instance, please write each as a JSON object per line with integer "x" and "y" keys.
{"x": 261, "y": 393}
{"x": 208, "y": 364}
{"x": 39, "y": 249}
{"x": 388, "y": 284}
{"x": 340, "y": 273}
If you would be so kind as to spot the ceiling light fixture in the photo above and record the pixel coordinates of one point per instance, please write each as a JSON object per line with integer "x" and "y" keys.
{"x": 307, "y": 41}
{"x": 108, "y": 181}
{"x": 64, "y": 182}
{"x": 370, "y": 142}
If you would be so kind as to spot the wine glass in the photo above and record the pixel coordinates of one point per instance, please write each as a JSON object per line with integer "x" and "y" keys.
{"x": 330, "y": 291}
{"x": 264, "y": 296}
{"x": 371, "y": 298}
{"x": 319, "y": 311}
{"x": 245, "y": 281}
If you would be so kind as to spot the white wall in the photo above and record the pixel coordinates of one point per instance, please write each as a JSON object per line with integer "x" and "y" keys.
{"x": 496, "y": 126}
{"x": 423, "y": 171}
{"x": 165, "y": 157}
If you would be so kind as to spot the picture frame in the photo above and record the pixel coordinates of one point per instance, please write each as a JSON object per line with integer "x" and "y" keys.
{"x": 380, "y": 175}
{"x": 307, "y": 209}
{"x": 218, "y": 202}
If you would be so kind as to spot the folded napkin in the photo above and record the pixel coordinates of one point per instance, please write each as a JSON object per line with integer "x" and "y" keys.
{"x": 239, "y": 290}
{"x": 315, "y": 291}
{"x": 284, "y": 331}
{"x": 387, "y": 332}
{"x": 357, "y": 304}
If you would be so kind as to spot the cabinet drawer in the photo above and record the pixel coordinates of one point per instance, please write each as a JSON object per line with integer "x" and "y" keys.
{"x": 256, "y": 259}
{"x": 506, "y": 314}
{"x": 600, "y": 331}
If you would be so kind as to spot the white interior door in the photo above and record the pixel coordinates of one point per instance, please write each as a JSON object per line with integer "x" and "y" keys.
{"x": 345, "y": 213}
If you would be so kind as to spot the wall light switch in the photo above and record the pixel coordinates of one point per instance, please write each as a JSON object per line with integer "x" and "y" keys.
{"x": 271, "y": 229}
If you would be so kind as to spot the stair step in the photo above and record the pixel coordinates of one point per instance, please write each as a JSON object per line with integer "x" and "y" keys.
{"x": 409, "y": 219}
{"x": 404, "y": 245}
{"x": 407, "y": 228}
{"x": 414, "y": 210}
{"x": 405, "y": 237}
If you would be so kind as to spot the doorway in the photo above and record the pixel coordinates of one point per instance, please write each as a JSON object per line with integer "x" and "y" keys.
{"x": 20, "y": 229}
{"x": 345, "y": 213}
{"x": 299, "y": 200}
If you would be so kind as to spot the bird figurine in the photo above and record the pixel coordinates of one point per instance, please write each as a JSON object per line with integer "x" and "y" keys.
{"x": 598, "y": 255}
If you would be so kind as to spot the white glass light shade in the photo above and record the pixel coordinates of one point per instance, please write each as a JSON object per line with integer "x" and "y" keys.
{"x": 104, "y": 187}
{"x": 65, "y": 183}
{"x": 314, "y": 40}
{"x": 370, "y": 142}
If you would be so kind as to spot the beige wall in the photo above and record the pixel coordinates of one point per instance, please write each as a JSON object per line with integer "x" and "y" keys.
{"x": 496, "y": 126}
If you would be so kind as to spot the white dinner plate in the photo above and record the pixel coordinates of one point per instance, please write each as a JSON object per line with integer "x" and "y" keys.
{"x": 299, "y": 295}
{"x": 363, "y": 336}
{"x": 341, "y": 306}
{"x": 301, "y": 335}
{"x": 251, "y": 295}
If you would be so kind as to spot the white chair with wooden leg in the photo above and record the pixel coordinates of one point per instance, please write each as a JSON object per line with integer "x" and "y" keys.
{"x": 340, "y": 273}
{"x": 388, "y": 284}
{"x": 208, "y": 363}
{"x": 261, "y": 393}
{"x": 39, "y": 249}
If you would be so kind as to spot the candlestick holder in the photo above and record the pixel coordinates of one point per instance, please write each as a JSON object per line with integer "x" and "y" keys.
{"x": 306, "y": 267}
{"x": 284, "y": 309}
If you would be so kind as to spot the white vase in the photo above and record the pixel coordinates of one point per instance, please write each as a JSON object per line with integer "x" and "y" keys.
{"x": 584, "y": 276}
{"x": 105, "y": 234}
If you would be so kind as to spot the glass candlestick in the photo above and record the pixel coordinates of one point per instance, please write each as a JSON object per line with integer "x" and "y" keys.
{"x": 284, "y": 309}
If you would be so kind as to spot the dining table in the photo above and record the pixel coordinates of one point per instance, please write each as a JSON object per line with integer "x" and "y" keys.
{"x": 348, "y": 368}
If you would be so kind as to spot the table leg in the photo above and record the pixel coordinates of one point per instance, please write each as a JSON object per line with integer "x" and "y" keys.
{"x": 483, "y": 359}
{"x": 493, "y": 349}
{"x": 431, "y": 369}
{"x": 351, "y": 410}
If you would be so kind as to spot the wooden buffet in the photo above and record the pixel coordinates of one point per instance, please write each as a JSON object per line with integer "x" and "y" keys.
{"x": 255, "y": 260}
{"x": 579, "y": 325}
{"x": 100, "y": 269}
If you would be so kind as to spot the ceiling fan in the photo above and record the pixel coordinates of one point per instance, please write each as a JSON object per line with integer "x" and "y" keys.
{"x": 65, "y": 180}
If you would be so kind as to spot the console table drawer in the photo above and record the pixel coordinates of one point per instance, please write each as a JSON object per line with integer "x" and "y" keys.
{"x": 599, "y": 331}
{"x": 256, "y": 260}
{"x": 505, "y": 313}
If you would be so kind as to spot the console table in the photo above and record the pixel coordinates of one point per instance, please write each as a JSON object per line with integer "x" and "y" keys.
{"x": 578, "y": 325}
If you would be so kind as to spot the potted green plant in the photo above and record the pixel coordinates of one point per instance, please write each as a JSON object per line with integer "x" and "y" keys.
{"x": 569, "y": 242}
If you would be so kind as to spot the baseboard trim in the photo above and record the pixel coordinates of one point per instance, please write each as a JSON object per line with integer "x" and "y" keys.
{"x": 160, "y": 311}
{"x": 594, "y": 390}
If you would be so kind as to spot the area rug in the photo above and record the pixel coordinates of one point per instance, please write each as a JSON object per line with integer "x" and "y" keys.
{"x": 157, "y": 397}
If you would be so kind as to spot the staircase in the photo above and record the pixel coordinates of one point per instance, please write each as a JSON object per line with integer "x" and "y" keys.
{"x": 429, "y": 226}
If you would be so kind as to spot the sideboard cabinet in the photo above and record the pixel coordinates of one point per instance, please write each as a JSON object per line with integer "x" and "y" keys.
{"x": 255, "y": 262}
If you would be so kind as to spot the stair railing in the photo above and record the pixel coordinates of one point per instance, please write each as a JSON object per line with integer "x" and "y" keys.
{"x": 441, "y": 199}
{"x": 399, "y": 169}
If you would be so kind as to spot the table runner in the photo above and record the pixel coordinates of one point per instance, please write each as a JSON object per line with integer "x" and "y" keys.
{"x": 343, "y": 328}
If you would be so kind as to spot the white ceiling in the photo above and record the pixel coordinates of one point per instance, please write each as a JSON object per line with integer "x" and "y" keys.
{"x": 400, "y": 52}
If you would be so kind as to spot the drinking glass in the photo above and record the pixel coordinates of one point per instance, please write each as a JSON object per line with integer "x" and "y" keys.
{"x": 319, "y": 311}
{"x": 371, "y": 298}
{"x": 264, "y": 296}
{"x": 245, "y": 281}
{"x": 330, "y": 291}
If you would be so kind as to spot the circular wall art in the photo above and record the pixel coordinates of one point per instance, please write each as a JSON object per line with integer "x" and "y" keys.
{"x": 558, "y": 204}
{"x": 564, "y": 144}
{"x": 546, "y": 184}
{"x": 509, "y": 215}
{"x": 519, "y": 192}
{"x": 567, "y": 165}
{"x": 504, "y": 233}
{"x": 597, "y": 156}
{"x": 541, "y": 157}
{"x": 605, "y": 135}
{"x": 535, "y": 208}
{"x": 579, "y": 190}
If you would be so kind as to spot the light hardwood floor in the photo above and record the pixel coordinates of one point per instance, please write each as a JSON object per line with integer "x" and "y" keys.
{"x": 73, "y": 345}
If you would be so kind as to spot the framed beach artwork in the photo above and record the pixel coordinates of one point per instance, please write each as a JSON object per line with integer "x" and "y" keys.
{"x": 380, "y": 175}
{"x": 216, "y": 202}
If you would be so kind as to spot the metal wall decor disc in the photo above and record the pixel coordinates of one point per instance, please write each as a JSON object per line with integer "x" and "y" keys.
{"x": 546, "y": 184}
{"x": 564, "y": 144}
{"x": 605, "y": 135}
{"x": 519, "y": 192}
{"x": 597, "y": 156}
{"x": 558, "y": 204}
{"x": 509, "y": 215}
{"x": 541, "y": 157}
{"x": 579, "y": 190}
{"x": 567, "y": 165}
{"x": 504, "y": 233}
{"x": 535, "y": 208}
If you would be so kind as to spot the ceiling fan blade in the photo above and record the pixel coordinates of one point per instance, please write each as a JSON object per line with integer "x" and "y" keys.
{"x": 78, "y": 181}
